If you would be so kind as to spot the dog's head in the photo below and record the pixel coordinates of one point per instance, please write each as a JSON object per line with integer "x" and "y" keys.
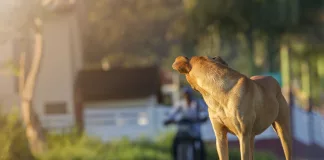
{"x": 197, "y": 67}
{"x": 182, "y": 65}
{"x": 218, "y": 59}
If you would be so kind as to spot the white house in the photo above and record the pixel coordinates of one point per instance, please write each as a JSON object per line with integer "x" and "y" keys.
{"x": 62, "y": 59}
{"x": 61, "y": 78}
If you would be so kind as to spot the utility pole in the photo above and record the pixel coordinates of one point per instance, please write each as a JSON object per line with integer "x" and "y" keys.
{"x": 249, "y": 35}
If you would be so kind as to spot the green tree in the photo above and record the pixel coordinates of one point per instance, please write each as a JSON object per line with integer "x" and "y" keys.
{"x": 130, "y": 33}
{"x": 274, "y": 23}
{"x": 25, "y": 23}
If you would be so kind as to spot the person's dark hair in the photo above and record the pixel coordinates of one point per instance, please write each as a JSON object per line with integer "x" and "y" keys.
{"x": 188, "y": 93}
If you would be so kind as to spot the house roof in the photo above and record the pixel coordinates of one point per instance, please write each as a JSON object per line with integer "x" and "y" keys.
{"x": 118, "y": 83}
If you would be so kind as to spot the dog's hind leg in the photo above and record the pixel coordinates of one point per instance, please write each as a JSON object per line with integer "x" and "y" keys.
{"x": 282, "y": 127}
{"x": 282, "y": 130}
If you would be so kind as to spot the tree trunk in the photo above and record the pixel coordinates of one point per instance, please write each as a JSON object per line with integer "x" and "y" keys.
{"x": 250, "y": 39}
{"x": 320, "y": 71}
{"x": 272, "y": 51}
{"x": 34, "y": 131}
{"x": 285, "y": 68}
{"x": 234, "y": 44}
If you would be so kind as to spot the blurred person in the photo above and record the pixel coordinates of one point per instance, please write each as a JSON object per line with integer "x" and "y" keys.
{"x": 191, "y": 109}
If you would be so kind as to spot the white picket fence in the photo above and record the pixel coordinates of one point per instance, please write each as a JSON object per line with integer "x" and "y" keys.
{"x": 114, "y": 123}
{"x": 59, "y": 123}
{"x": 301, "y": 127}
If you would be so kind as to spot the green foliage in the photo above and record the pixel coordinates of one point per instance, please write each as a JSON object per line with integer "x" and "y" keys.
{"x": 240, "y": 15}
{"x": 234, "y": 154}
{"x": 14, "y": 145}
{"x": 131, "y": 33}
{"x": 73, "y": 146}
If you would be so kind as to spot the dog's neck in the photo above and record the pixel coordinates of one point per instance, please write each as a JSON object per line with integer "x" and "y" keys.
{"x": 206, "y": 77}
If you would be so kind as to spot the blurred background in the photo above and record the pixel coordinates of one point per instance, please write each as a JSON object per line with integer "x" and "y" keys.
{"x": 92, "y": 79}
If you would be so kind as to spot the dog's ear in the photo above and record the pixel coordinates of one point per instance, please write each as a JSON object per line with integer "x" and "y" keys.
{"x": 220, "y": 60}
{"x": 182, "y": 65}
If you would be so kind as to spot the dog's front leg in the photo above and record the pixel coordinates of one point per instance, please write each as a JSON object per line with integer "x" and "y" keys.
{"x": 252, "y": 147}
{"x": 245, "y": 146}
{"x": 222, "y": 144}
{"x": 221, "y": 139}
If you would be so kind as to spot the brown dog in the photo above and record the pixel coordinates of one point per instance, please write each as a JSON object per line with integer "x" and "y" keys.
{"x": 237, "y": 104}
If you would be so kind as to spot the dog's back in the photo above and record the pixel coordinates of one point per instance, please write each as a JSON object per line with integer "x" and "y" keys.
{"x": 271, "y": 101}
{"x": 268, "y": 83}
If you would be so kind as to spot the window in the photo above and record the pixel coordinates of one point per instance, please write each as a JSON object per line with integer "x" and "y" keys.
{"x": 55, "y": 108}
